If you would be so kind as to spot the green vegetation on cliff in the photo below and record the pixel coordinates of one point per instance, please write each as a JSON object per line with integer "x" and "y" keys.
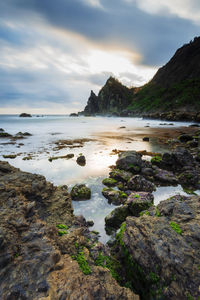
{"x": 153, "y": 97}
{"x": 175, "y": 87}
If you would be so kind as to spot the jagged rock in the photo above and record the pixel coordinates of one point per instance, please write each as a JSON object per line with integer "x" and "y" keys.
{"x": 117, "y": 217}
{"x": 137, "y": 202}
{"x": 115, "y": 197}
{"x": 112, "y": 98}
{"x": 189, "y": 178}
{"x": 38, "y": 237}
{"x": 139, "y": 183}
{"x": 164, "y": 177}
{"x": 162, "y": 253}
{"x": 92, "y": 106}
{"x": 120, "y": 175}
{"x": 129, "y": 161}
{"x": 80, "y": 192}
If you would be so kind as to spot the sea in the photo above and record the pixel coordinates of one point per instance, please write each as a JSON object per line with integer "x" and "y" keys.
{"x": 96, "y": 138}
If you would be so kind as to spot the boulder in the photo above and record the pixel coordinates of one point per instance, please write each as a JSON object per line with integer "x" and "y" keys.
{"x": 117, "y": 217}
{"x": 115, "y": 197}
{"x": 160, "y": 253}
{"x": 80, "y": 192}
{"x": 164, "y": 177}
{"x": 184, "y": 138}
{"x": 137, "y": 202}
{"x": 81, "y": 160}
{"x": 120, "y": 175}
{"x": 110, "y": 182}
{"x": 129, "y": 161}
{"x": 139, "y": 183}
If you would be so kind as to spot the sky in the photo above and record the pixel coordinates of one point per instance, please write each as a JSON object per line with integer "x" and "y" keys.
{"x": 53, "y": 53}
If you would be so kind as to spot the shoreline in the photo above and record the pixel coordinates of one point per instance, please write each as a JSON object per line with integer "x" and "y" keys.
{"x": 39, "y": 216}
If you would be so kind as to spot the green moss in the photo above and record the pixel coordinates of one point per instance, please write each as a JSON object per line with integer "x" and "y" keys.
{"x": 156, "y": 159}
{"x": 191, "y": 192}
{"x": 137, "y": 196}
{"x": 145, "y": 212}
{"x": 85, "y": 268}
{"x": 157, "y": 213}
{"x": 62, "y": 232}
{"x": 175, "y": 227}
{"x": 119, "y": 235}
{"x": 76, "y": 245}
{"x": 95, "y": 232}
{"x": 147, "y": 285}
{"x": 61, "y": 226}
{"x": 109, "y": 263}
{"x": 123, "y": 195}
{"x": 109, "y": 182}
{"x": 153, "y": 277}
{"x": 189, "y": 297}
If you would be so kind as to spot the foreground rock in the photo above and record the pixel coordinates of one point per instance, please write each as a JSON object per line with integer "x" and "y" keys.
{"x": 135, "y": 204}
{"x": 159, "y": 251}
{"x": 46, "y": 252}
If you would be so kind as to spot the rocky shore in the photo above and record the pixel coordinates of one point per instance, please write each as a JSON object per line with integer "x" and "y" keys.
{"x": 46, "y": 252}
{"x": 157, "y": 246}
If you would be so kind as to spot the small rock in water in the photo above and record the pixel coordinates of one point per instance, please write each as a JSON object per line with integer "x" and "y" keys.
{"x": 81, "y": 160}
{"x": 146, "y": 139}
{"x": 80, "y": 192}
{"x": 25, "y": 115}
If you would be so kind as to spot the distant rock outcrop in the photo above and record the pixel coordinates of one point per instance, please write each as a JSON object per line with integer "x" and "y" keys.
{"x": 25, "y": 115}
{"x": 112, "y": 99}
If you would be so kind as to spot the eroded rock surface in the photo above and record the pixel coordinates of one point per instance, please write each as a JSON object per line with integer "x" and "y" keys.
{"x": 162, "y": 248}
{"x": 45, "y": 251}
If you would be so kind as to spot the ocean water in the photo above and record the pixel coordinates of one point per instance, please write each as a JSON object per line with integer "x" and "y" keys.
{"x": 104, "y": 134}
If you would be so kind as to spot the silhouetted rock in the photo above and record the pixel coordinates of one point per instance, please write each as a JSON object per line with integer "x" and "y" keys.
{"x": 25, "y": 115}
{"x": 112, "y": 99}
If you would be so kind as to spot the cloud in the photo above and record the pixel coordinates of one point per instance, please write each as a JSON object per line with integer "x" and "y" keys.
{"x": 53, "y": 53}
{"x": 187, "y": 9}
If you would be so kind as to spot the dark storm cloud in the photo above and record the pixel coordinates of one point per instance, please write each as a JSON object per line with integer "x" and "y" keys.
{"x": 155, "y": 37}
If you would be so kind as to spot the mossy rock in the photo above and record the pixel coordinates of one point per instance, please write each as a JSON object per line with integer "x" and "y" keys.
{"x": 109, "y": 182}
{"x": 80, "y": 192}
{"x": 4, "y": 135}
{"x": 115, "y": 197}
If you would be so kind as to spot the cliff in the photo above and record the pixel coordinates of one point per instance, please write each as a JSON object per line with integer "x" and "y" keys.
{"x": 113, "y": 98}
{"x": 175, "y": 87}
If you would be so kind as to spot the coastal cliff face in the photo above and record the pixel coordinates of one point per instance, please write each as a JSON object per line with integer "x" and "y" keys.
{"x": 113, "y": 98}
{"x": 175, "y": 87}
